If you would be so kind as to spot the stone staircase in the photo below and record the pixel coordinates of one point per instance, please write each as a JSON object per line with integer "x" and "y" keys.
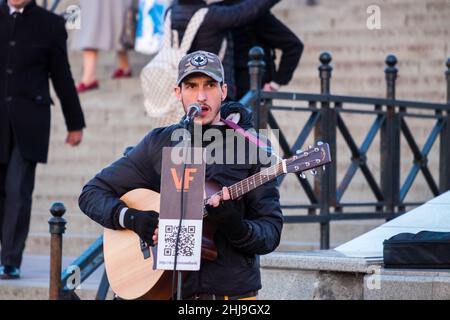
{"x": 416, "y": 31}
{"x": 115, "y": 119}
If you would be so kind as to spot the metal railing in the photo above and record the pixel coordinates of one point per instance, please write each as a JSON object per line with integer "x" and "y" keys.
{"x": 325, "y": 195}
{"x": 326, "y": 119}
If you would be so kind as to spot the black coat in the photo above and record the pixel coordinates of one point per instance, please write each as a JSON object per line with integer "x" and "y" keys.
{"x": 236, "y": 270}
{"x": 217, "y": 25}
{"x": 269, "y": 33}
{"x": 32, "y": 49}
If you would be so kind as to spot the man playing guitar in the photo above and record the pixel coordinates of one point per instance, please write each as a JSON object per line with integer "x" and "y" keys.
{"x": 246, "y": 227}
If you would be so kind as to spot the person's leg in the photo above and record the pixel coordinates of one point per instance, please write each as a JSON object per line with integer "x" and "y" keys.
{"x": 89, "y": 66}
{"x": 17, "y": 207}
{"x": 2, "y": 197}
{"x": 8, "y": 138}
{"x": 124, "y": 69}
{"x": 89, "y": 79}
{"x": 124, "y": 63}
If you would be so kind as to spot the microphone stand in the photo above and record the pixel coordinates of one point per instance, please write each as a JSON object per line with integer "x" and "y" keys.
{"x": 189, "y": 124}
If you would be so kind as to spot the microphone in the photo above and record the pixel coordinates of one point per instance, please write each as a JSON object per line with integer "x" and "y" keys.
{"x": 194, "y": 110}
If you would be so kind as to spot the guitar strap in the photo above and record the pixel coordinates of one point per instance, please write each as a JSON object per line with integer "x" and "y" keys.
{"x": 245, "y": 134}
{"x": 250, "y": 137}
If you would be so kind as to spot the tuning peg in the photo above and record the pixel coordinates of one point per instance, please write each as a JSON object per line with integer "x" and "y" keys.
{"x": 298, "y": 151}
{"x": 302, "y": 175}
{"x": 310, "y": 147}
{"x": 323, "y": 168}
{"x": 313, "y": 172}
{"x": 319, "y": 143}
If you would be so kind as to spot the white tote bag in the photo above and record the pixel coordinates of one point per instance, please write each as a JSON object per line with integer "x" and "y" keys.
{"x": 150, "y": 26}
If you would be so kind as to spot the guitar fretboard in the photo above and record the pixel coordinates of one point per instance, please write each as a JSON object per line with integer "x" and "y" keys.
{"x": 244, "y": 186}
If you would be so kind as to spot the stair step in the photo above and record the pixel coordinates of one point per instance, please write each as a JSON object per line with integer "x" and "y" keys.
{"x": 73, "y": 243}
{"x": 77, "y": 222}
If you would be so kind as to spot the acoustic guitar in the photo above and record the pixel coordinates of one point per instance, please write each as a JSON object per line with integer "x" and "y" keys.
{"x": 130, "y": 263}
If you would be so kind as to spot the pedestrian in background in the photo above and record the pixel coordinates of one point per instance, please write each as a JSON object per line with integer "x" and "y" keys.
{"x": 270, "y": 34}
{"x": 102, "y": 23}
{"x": 33, "y": 43}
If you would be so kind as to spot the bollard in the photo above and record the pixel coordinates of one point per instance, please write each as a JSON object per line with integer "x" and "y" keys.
{"x": 57, "y": 226}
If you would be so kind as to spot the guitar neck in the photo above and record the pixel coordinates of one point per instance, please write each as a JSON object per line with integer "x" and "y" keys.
{"x": 248, "y": 184}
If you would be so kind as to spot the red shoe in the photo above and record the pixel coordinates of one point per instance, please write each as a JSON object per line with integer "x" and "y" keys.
{"x": 121, "y": 73}
{"x": 81, "y": 87}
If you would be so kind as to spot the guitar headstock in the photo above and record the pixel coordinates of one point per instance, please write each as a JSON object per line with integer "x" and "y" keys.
{"x": 313, "y": 157}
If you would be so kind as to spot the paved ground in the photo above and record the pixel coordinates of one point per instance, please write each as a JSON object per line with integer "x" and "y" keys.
{"x": 34, "y": 281}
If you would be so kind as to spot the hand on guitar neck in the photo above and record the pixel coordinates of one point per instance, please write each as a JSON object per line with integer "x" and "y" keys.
{"x": 227, "y": 216}
{"x": 215, "y": 199}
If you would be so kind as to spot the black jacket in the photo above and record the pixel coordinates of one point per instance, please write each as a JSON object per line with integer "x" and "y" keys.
{"x": 236, "y": 270}
{"x": 218, "y": 23}
{"x": 32, "y": 49}
{"x": 269, "y": 33}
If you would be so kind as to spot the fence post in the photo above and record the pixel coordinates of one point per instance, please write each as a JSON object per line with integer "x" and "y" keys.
{"x": 57, "y": 227}
{"x": 325, "y": 130}
{"x": 444, "y": 169}
{"x": 256, "y": 67}
{"x": 390, "y": 142}
{"x": 325, "y": 72}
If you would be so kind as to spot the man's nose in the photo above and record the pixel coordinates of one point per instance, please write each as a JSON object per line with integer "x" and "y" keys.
{"x": 201, "y": 96}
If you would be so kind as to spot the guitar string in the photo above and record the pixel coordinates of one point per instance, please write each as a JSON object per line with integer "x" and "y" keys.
{"x": 258, "y": 178}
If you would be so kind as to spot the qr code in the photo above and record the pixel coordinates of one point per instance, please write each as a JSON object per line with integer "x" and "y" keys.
{"x": 185, "y": 243}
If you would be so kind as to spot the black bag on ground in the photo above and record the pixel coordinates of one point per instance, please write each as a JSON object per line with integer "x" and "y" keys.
{"x": 423, "y": 250}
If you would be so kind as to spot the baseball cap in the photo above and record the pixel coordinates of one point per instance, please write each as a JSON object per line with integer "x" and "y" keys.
{"x": 200, "y": 62}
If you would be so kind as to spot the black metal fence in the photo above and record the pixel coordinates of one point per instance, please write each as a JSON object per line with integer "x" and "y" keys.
{"x": 327, "y": 117}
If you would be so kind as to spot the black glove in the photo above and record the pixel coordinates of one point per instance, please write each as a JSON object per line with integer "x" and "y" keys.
{"x": 228, "y": 216}
{"x": 143, "y": 223}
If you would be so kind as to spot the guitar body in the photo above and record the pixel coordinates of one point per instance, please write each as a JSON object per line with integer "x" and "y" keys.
{"x": 129, "y": 274}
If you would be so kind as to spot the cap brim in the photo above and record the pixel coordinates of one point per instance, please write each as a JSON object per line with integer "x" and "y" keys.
{"x": 209, "y": 74}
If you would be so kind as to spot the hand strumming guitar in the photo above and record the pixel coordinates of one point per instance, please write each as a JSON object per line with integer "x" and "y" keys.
{"x": 144, "y": 223}
{"x": 225, "y": 214}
